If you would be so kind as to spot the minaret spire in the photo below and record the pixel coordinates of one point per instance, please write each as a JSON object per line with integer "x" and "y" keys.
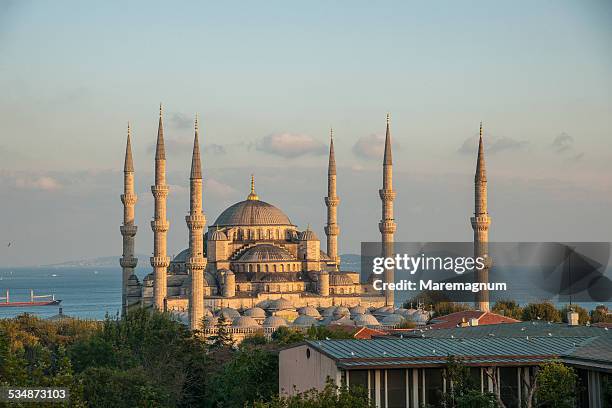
{"x": 196, "y": 263}
{"x": 331, "y": 201}
{"x": 160, "y": 225}
{"x": 387, "y": 224}
{"x": 480, "y": 224}
{"x": 128, "y": 230}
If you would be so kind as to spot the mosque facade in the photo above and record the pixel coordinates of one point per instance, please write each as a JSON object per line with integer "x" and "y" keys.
{"x": 254, "y": 266}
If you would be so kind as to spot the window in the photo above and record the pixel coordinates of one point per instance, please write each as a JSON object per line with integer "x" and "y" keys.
{"x": 358, "y": 378}
{"x": 396, "y": 388}
{"x": 508, "y": 386}
{"x": 433, "y": 386}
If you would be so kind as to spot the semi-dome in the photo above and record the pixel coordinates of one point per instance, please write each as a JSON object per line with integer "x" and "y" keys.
{"x": 244, "y": 322}
{"x": 274, "y": 321}
{"x": 365, "y": 320}
{"x": 308, "y": 235}
{"x": 256, "y": 312}
{"x": 309, "y": 311}
{"x": 266, "y": 253}
{"x": 252, "y": 212}
{"x": 341, "y": 311}
{"x": 305, "y": 321}
{"x": 217, "y": 235}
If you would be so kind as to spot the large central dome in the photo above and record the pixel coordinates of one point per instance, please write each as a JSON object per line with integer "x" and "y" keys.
{"x": 252, "y": 212}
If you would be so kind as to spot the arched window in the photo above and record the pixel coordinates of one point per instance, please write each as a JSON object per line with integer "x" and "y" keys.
{"x": 282, "y": 268}
{"x": 274, "y": 266}
{"x": 266, "y": 266}
{"x": 267, "y": 288}
{"x": 250, "y": 268}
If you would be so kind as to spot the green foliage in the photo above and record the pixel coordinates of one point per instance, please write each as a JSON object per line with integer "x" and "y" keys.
{"x": 328, "y": 332}
{"x": 285, "y": 336}
{"x": 406, "y": 324}
{"x": 446, "y": 308}
{"x": 606, "y": 391}
{"x": 257, "y": 339}
{"x": 508, "y": 308}
{"x": 541, "y": 311}
{"x": 583, "y": 314}
{"x": 556, "y": 384}
{"x": 601, "y": 315}
{"x": 250, "y": 375}
{"x": 463, "y": 391}
{"x": 223, "y": 338}
{"x": 331, "y": 396}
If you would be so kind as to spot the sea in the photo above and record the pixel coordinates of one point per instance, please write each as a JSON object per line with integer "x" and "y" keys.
{"x": 85, "y": 292}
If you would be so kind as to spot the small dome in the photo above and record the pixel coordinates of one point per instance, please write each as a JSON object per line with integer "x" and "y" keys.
{"x": 280, "y": 304}
{"x": 252, "y": 212}
{"x": 340, "y": 279}
{"x": 393, "y": 320}
{"x": 182, "y": 256}
{"x": 244, "y": 322}
{"x": 341, "y": 311}
{"x": 343, "y": 321}
{"x": 358, "y": 310}
{"x": 308, "y": 235}
{"x": 328, "y": 311}
{"x": 149, "y": 278}
{"x": 309, "y": 311}
{"x": 365, "y": 320}
{"x": 256, "y": 312}
{"x": 266, "y": 253}
{"x": 229, "y": 313}
{"x": 274, "y": 321}
{"x": 420, "y": 317}
{"x": 217, "y": 235}
{"x": 264, "y": 304}
{"x": 305, "y": 321}
{"x": 383, "y": 311}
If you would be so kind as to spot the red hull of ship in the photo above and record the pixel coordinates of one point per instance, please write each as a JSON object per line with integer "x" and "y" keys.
{"x": 26, "y": 304}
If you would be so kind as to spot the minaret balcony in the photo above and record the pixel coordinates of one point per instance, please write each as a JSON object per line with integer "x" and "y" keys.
{"x": 332, "y": 201}
{"x": 387, "y": 195}
{"x": 160, "y": 191}
{"x": 129, "y": 198}
{"x": 196, "y": 221}
{"x": 160, "y": 225}
{"x": 332, "y": 230}
{"x": 128, "y": 262}
{"x": 128, "y": 230}
{"x": 160, "y": 261}
{"x": 481, "y": 222}
{"x": 196, "y": 263}
{"x": 387, "y": 227}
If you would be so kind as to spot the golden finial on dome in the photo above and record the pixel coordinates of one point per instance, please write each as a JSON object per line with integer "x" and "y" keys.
{"x": 253, "y": 195}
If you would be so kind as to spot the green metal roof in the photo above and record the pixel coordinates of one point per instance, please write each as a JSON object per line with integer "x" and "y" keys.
{"x": 522, "y": 329}
{"x": 434, "y": 351}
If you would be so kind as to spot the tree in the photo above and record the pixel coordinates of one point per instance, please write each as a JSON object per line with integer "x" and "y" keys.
{"x": 462, "y": 390}
{"x": 330, "y": 396}
{"x": 556, "y": 386}
{"x": 285, "y": 336}
{"x": 223, "y": 338}
{"x": 328, "y": 332}
{"x": 541, "y": 311}
{"x": 446, "y": 308}
{"x": 601, "y": 315}
{"x": 583, "y": 314}
{"x": 509, "y": 308}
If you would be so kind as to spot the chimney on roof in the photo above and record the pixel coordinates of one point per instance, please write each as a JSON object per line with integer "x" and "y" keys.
{"x": 572, "y": 318}
{"x": 473, "y": 321}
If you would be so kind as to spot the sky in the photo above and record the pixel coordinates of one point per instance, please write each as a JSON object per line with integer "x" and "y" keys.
{"x": 268, "y": 80}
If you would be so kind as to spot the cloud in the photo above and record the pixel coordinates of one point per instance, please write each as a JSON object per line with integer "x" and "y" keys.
{"x": 372, "y": 146}
{"x": 178, "y": 120}
{"x": 562, "y": 143}
{"x": 290, "y": 145}
{"x": 218, "y": 188}
{"x": 44, "y": 183}
{"x": 493, "y": 144}
{"x": 214, "y": 149}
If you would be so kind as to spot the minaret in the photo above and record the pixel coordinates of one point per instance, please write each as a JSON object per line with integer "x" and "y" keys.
{"x": 196, "y": 263}
{"x": 331, "y": 201}
{"x": 480, "y": 225}
{"x": 160, "y": 225}
{"x": 387, "y": 225}
{"x": 128, "y": 229}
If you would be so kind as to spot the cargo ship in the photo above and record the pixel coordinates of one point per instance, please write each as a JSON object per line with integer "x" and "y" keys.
{"x": 35, "y": 300}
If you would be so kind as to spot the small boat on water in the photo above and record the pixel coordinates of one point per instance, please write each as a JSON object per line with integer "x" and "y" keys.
{"x": 38, "y": 300}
